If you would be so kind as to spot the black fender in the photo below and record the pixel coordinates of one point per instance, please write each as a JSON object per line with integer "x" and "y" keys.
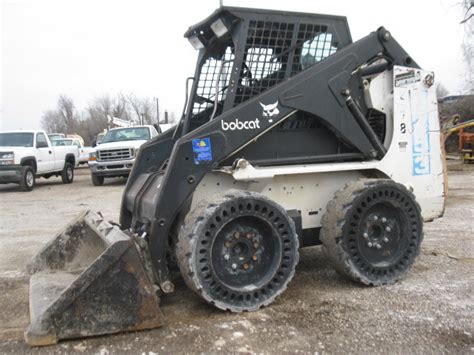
{"x": 27, "y": 160}
{"x": 71, "y": 159}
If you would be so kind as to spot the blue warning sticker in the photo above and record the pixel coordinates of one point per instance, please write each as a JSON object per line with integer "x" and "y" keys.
{"x": 202, "y": 150}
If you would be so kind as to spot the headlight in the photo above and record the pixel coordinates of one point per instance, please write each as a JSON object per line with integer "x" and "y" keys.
{"x": 9, "y": 155}
{"x": 7, "y": 158}
{"x": 92, "y": 156}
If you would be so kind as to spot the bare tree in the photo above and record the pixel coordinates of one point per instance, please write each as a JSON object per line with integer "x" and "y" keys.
{"x": 52, "y": 122}
{"x": 441, "y": 91}
{"x": 142, "y": 109}
{"x": 120, "y": 108}
{"x": 62, "y": 120}
{"x": 66, "y": 110}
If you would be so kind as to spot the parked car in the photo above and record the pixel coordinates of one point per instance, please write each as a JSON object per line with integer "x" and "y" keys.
{"x": 98, "y": 139}
{"x": 26, "y": 155}
{"x": 116, "y": 153}
{"x": 54, "y": 136}
{"x": 82, "y": 152}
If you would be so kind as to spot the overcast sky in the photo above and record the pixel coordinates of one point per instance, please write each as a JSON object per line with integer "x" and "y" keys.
{"x": 85, "y": 48}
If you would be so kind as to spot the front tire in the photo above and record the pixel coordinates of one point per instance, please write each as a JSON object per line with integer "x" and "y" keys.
{"x": 28, "y": 178}
{"x": 67, "y": 174}
{"x": 238, "y": 251}
{"x": 372, "y": 231}
{"x": 97, "y": 180}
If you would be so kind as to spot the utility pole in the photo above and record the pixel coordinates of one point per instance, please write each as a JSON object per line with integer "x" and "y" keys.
{"x": 158, "y": 115}
{"x": 157, "y": 110}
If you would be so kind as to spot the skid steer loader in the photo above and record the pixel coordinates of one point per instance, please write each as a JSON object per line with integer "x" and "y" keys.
{"x": 291, "y": 136}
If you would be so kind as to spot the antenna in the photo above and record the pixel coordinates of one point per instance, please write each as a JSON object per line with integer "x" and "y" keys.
{"x": 221, "y": 3}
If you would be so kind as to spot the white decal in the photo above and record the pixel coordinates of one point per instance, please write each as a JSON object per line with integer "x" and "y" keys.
{"x": 239, "y": 125}
{"x": 270, "y": 110}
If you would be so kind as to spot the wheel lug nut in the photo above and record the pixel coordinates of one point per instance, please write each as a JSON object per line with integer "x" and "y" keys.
{"x": 378, "y": 246}
{"x": 388, "y": 229}
{"x": 227, "y": 244}
{"x": 254, "y": 257}
{"x": 226, "y": 257}
{"x": 236, "y": 235}
{"x": 248, "y": 236}
{"x": 375, "y": 218}
{"x": 246, "y": 266}
{"x": 365, "y": 235}
{"x": 369, "y": 244}
{"x": 384, "y": 219}
{"x": 255, "y": 245}
{"x": 234, "y": 266}
{"x": 385, "y": 240}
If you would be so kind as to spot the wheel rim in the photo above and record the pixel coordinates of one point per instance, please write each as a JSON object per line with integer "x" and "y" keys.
{"x": 383, "y": 239}
{"x": 30, "y": 178}
{"x": 383, "y": 232}
{"x": 69, "y": 173}
{"x": 246, "y": 251}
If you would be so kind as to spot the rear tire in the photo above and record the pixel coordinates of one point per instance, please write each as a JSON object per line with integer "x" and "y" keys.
{"x": 28, "y": 178}
{"x": 67, "y": 174}
{"x": 97, "y": 180}
{"x": 238, "y": 251}
{"x": 372, "y": 231}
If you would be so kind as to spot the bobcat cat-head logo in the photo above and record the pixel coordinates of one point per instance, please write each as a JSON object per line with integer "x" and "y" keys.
{"x": 270, "y": 110}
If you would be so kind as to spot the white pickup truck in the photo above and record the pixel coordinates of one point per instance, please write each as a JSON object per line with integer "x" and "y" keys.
{"x": 116, "y": 153}
{"x": 83, "y": 151}
{"x": 26, "y": 155}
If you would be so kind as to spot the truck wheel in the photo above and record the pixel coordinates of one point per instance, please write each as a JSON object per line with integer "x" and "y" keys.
{"x": 67, "y": 174}
{"x": 238, "y": 251}
{"x": 28, "y": 178}
{"x": 372, "y": 231}
{"x": 97, "y": 180}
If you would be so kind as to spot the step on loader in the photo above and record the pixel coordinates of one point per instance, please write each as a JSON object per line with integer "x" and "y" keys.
{"x": 291, "y": 136}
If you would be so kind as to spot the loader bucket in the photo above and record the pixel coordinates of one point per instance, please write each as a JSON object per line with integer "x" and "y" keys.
{"x": 91, "y": 279}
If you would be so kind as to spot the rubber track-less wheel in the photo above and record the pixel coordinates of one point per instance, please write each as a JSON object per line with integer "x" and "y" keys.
{"x": 238, "y": 251}
{"x": 27, "y": 182}
{"x": 67, "y": 175}
{"x": 97, "y": 180}
{"x": 372, "y": 231}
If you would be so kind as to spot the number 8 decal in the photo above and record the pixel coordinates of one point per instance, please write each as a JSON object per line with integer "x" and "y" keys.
{"x": 403, "y": 128}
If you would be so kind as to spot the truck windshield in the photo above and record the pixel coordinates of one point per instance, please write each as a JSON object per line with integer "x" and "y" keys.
{"x": 127, "y": 134}
{"x": 16, "y": 139}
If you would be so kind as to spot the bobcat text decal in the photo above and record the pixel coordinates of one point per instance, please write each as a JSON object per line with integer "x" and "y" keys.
{"x": 240, "y": 125}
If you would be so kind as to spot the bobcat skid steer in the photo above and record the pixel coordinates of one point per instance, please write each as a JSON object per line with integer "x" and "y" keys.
{"x": 292, "y": 135}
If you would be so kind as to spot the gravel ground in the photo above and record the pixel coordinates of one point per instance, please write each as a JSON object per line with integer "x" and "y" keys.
{"x": 431, "y": 310}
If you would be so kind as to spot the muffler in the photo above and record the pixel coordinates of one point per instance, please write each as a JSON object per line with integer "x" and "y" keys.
{"x": 91, "y": 279}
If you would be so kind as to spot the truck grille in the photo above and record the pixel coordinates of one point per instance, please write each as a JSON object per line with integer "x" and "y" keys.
{"x": 115, "y": 154}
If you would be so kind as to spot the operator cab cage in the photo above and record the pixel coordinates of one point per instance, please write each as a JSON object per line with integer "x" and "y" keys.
{"x": 244, "y": 52}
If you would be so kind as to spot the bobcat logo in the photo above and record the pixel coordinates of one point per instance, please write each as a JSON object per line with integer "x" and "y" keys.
{"x": 270, "y": 110}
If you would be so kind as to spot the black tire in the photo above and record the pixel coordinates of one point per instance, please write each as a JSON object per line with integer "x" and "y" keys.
{"x": 238, "y": 251}
{"x": 67, "y": 175}
{"x": 28, "y": 178}
{"x": 97, "y": 180}
{"x": 372, "y": 231}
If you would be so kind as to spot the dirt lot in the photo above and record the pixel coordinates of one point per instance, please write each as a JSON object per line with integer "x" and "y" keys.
{"x": 432, "y": 310}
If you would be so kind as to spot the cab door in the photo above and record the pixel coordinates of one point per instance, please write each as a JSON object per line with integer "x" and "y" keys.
{"x": 44, "y": 154}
